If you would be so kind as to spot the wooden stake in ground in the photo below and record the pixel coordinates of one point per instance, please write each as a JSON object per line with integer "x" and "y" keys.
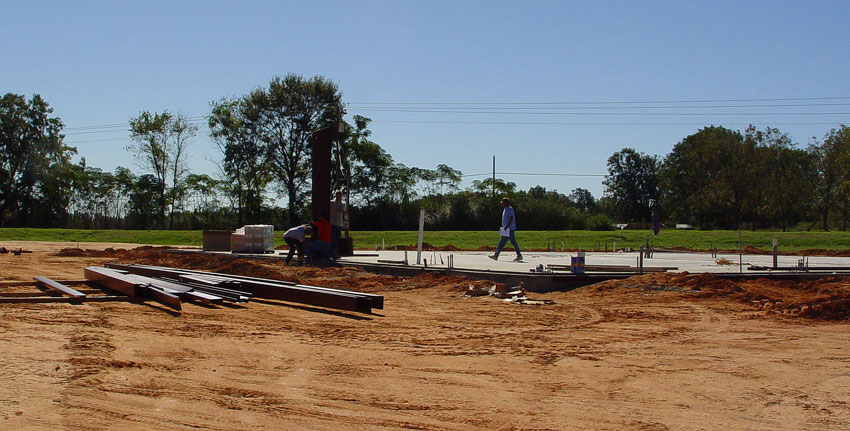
{"x": 419, "y": 242}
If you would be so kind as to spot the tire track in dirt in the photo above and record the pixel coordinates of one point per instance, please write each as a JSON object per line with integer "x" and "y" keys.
{"x": 89, "y": 356}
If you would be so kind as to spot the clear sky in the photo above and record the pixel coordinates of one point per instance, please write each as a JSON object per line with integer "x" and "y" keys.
{"x": 548, "y": 87}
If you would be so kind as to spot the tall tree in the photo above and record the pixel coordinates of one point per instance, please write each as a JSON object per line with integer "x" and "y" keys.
{"x": 502, "y": 187}
{"x": 365, "y": 162}
{"x": 31, "y": 150}
{"x": 632, "y": 184}
{"x": 245, "y": 165}
{"x": 829, "y": 157}
{"x": 584, "y": 200}
{"x": 182, "y": 130}
{"x": 160, "y": 141}
{"x": 783, "y": 178}
{"x": 284, "y": 116}
{"x": 842, "y": 137}
{"x": 145, "y": 201}
{"x": 204, "y": 192}
{"x": 705, "y": 179}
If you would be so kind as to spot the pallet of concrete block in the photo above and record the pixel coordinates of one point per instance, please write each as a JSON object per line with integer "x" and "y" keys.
{"x": 254, "y": 238}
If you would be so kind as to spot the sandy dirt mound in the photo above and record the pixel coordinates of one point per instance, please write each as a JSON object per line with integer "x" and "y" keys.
{"x": 338, "y": 278}
{"x": 825, "y": 299}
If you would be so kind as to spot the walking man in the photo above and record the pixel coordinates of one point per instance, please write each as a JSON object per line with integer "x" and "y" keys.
{"x": 506, "y": 231}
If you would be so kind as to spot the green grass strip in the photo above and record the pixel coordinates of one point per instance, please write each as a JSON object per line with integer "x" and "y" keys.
{"x": 471, "y": 240}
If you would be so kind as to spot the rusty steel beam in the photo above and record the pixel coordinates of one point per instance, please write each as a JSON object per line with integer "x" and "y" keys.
{"x": 32, "y": 283}
{"x": 114, "y": 280}
{"x": 47, "y": 293}
{"x": 163, "y": 297}
{"x": 51, "y": 293}
{"x": 273, "y": 289}
{"x": 50, "y": 284}
{"x": 206, "y": 298}
{"x": 230, "y": 295}
{"x": 62, "y": 299}
{"x": 377, "y": 301}
{"x": 130, "y": 285}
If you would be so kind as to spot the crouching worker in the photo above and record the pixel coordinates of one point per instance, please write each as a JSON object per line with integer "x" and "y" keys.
{"x": 319, "y": 246}
{"x": 295, "y": 238}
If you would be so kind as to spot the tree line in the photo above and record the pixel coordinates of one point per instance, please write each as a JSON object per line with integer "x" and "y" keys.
{"x": 715, "y": 178}
{"x": 722, "y": 178}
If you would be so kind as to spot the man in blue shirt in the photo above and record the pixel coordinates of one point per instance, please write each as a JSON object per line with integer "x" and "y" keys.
{"x": 507, "y": 231}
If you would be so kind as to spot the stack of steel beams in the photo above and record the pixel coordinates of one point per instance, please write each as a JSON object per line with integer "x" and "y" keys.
{"x": 167, "y": 292}
{"x": 259, "y": 287}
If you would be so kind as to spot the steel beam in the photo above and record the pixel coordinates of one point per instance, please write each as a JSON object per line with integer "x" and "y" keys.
{"x": 114, "y": 280}
{"x": 62, "y": 299}
{"x": 273, "y": 289}
{"x": 30, "y": 283}
{"x": 377, "y": 301}
{"x": 50, "y": 284}
{"x": 206, "y": 298}
{"x": 163, "y": 297}
{"x": 130, "y": 285}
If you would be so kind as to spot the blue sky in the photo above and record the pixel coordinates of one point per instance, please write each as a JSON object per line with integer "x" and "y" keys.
{"x": 554, "y": 87}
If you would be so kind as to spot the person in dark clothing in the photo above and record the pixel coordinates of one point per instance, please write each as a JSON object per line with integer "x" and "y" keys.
{"x": 319, "y": 247}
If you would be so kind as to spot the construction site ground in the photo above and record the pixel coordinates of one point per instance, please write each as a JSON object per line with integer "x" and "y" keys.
{"x": 663, "y": 351}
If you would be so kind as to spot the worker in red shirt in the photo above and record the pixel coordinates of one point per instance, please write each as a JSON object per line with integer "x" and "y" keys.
{"x": 318, "y": 248}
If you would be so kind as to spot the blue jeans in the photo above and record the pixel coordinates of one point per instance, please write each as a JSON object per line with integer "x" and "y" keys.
{"x": 504, "y": 239}
{"x": 317, "y": 250}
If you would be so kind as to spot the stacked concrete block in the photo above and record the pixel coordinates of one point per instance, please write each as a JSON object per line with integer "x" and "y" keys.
{"x": 255, "y": 238}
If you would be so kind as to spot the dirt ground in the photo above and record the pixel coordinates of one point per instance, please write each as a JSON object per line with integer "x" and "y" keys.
{"x": 656, "y": 352}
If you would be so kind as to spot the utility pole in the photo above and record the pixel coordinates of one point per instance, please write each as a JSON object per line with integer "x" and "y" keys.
{"x": 494, "y": 177}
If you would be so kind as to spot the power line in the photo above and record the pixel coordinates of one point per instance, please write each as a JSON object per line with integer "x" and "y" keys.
{"x": 452, "y": 111}
{"x": 587, "y": 123}
{"x": 538, "y": 107}
{"x": 97, "y": 140}
{"x": 787, "y": 99}
{"x": 561, "y": 108}
{"x": 532, "y": 174}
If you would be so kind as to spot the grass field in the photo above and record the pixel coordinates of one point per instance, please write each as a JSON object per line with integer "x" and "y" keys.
{"x": 470, "y": 240}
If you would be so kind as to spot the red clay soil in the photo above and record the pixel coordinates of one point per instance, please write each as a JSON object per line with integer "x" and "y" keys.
{"x": 338, "y": 278}
{"x": 822, "y": 299}
{"x": 826, "y": 299}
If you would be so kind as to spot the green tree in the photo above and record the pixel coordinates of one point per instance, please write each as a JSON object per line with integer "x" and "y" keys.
{"x": 146, "y": 201}
{"x": 368, "y": 166}
{"x": 632, "y": 184}
{"x": 32, "y": 155}
{"x": 584, "y": 200}
{"x": 502, "y": 187}
{"x": 245, "y": 166}
{"x": 284, "y": 116}
{"x": 204, "y": 192}
{"x": 706, "y": 178}
{"x": 160, "y": 142}
{"x": 829, "y": 159}
{"x": 783, "y": 182}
